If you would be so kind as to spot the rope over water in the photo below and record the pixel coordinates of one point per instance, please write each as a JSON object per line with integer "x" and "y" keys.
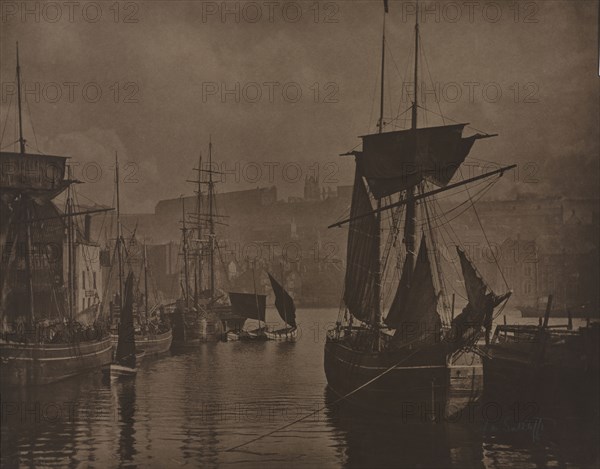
{"x": 260, "y": 437}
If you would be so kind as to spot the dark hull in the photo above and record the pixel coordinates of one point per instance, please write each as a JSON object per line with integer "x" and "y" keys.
{"x": 424, "y": 385}
{"x": 552, "y": 375}
{"x": 191, "y": 328}
{"x": 39, "y": 364}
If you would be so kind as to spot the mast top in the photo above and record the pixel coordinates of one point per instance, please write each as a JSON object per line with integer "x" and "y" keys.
{"x": 21, "y": 139}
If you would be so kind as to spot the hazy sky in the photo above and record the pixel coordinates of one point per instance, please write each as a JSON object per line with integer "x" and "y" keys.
{"x": 174, "y": 60}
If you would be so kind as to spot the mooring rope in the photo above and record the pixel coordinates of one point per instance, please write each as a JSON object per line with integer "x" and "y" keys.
{"x": 260, "y": 437}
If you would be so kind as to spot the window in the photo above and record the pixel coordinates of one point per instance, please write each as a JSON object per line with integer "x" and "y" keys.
{"x": 83, "y": 279}
{"x": 94, "y": 274}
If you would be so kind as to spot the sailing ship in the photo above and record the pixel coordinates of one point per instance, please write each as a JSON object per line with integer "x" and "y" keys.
{"x": 554, "y": 369}
{"x": 253, "y": 306}
{"x": 50, "y": 326}
{"x": 126, "y": 357}
{"x": 152, "y": 331}
{"x": 287, "y": 311}
{"x": 202, "y": 314}
{"x": 419, "y": 354}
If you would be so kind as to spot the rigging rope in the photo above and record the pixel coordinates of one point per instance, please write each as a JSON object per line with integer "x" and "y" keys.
{"x": 486, "y": 238}
{"x": 6, "y": 122}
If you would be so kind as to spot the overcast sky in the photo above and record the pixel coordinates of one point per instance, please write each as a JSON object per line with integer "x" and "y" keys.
{"x": 173, "y": 60}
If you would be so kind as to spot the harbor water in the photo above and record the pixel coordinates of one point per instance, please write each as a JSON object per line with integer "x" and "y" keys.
{"x": 195, "y": 409}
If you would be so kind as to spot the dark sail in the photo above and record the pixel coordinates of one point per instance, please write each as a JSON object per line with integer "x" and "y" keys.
{"x": 417, "y": 318}
{"x": 125, "y": 354}
{"x": 284, "y": 303}
{"x": 248, "y": 305}
{"x": 395, "y": 161}
{"x": 360, "y": 294}
{"x": 394, "y": 314}
{"x": 479, "y": 310}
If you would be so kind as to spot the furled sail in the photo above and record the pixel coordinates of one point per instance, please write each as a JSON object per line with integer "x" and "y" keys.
{"x": 415, "y": 313}
{"x": 360, "y": 294}
{"x": 284, "y": 303}
{"x": 479, "y": 311}
{"x": 248, "y": 305}
{"x": 125, "y": 354}
{"x": 395, "y": 161}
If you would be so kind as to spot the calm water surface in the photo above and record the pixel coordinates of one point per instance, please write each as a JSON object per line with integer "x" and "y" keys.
{"x": 189, "y": 409}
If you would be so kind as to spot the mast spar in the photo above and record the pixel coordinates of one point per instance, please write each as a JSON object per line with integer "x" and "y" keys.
{"x": 410, "y": 234}
{"x": 377, "y": 244}
{"x": 146, "y": 281}
{"x": 186, "y": 273}
{"x": 211, "y": 222}
{"x": 199, "y": 244}
{"x": 119, "y": 234}
{"x": 21, "y": 139}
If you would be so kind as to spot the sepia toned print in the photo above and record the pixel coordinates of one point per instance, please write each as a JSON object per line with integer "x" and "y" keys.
{"x": 356, "y": 234}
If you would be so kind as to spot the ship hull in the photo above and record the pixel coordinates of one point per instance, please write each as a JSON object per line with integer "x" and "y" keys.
{"x": 151, "y": 344}
{"x": 191, "y": 328}
{"x": 548, "y": 375}
{"x": 423, "y": 385}
{"x": 40, "y": 364}
{"x": 289, "y": 334}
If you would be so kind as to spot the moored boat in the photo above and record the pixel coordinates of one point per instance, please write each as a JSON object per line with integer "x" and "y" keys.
{"x": 153, "y": 332}
{"x": 287, "y": 312}
{"x": 127, "y": 356}
{"x": 50, "y": 327}
{"x": 201, "y": 314}
{"x": 547, "y": 370}
{"x": 417, "y": 359}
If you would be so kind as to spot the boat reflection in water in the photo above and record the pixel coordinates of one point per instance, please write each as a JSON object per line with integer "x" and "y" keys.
{"x": 367, "y": 439}
{"x": 124, "y": 397}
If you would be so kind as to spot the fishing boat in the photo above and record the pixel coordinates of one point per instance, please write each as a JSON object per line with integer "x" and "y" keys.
{"x": 548, "y": 370}
{"x": 152, "y": 330}
{"x": 252, "y": 305}
{"x": 419, "y": 355}
{"x": 287, "y": 311}
{"x": 202, "y": 314}
{"x": 50, "y": 326}
{"x": 126, "y": 356}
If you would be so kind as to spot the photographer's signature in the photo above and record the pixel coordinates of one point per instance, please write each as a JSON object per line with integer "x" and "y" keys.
{"x": 534, "y": 426}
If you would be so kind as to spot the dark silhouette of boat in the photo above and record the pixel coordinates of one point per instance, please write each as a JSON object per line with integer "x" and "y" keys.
{"x": 419, "y": 355}
{"x": 50, "y": 286}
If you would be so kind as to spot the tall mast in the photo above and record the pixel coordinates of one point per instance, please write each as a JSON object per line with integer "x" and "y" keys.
{"x": 28, "y": 252}
{"x": 211, "y": 222}
{"x": 255, "y": 294}
{"x": 119, "y": 234}
{"x": 410, "y": 225}
{"x": 377, "y": 253}
{"x": 70, "y": 252}
{"x": 21, "y": 139}
{"x": 185, "y": 257}
{"x": 380, "y": 123}
{"x": 146, "y": 281}
{"x": 199, "y": 228}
